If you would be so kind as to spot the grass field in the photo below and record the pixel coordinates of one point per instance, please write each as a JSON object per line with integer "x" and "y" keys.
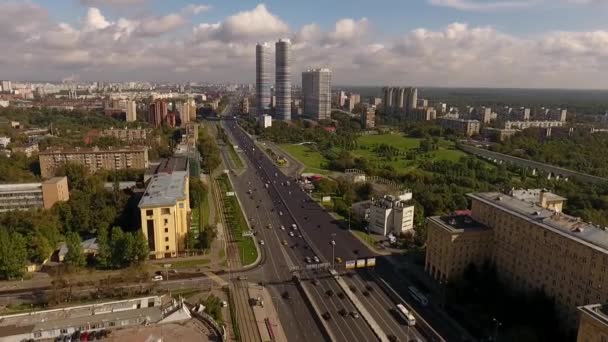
{"x": 236, "y": 159}
{"x": 237, "y": 224}
{"x": 307, "y": 155}
{"x": 190, "y": 263}
{"x": 316, "y": 163}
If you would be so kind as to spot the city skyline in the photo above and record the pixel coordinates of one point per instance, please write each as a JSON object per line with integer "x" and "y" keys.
{"x": 452, "y": 43}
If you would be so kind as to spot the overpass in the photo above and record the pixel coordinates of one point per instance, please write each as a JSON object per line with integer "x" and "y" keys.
{"x": 552, "y": 171}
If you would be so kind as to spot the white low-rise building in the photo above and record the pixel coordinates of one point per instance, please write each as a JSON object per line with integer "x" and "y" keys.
{"x": 392, "y": 214}
{"x": 265, "y": 121}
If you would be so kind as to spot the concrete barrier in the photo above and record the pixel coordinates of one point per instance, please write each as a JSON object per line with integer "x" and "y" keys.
{"x": 329, "y": 336}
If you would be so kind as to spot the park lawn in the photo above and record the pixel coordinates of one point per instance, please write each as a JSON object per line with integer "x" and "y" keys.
{"x": 236, "y": 159}
{"x": 365, "y": 237}
{"x": 305, "y": 154}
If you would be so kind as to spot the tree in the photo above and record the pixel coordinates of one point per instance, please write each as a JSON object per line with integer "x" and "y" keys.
{"x": 197, "y": 192}
{"x": 76, "y": 174}
{"x": 75, "y": 256}
{"x": 141, "y": 250}
{"x": 206, "y": 236}
{"x": 40, "y": 248}
{"x": 118, "y": 248}
{"x": 104, "y": 254}
{"x": 13, "y": 254}
{"x": 191, "y": 241}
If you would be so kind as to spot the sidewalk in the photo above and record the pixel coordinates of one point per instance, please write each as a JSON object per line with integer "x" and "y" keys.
{"x": 266, "y": 315}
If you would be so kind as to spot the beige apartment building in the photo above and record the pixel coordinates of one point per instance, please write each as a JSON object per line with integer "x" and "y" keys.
{"x": 94, "y": 159}
{"x": 532, "y": 244}
{"x": 593, "y": 325}
{"x": 461, "y": 126}
{"x": 131, "y": 135}
{"x": 165, "y": 213}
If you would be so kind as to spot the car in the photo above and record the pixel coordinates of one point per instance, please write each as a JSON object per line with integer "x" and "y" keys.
{"x": 352, "y": 288}
{"x": 343, "y": 312}
{"x": 284, "y": 242}
{"x": 315, "y": 282}
{"x": 316, "y": 259}
{"x": 280, "y": 213}
{"x": 355, "y": 251}
{"x": 224, "y": 304}
{"x": 369, "y": 288}
{"x": 262, "y": 242}
{"x": 329, "y": 293}
{"x": 365, "y": 293}
{"x": 269, "y": 226}
{"x": 354, "y": 314}
{"x": 300, "y": 236}
{"x": 286, "y": 295}
{"x": 282, "y": 227}
{"x": 294, "y": 226}
{"x": 291, "y": 234}
{"x": 157, "y": 278}
{"x": 341, "y": 295}
{"x": 308, "y": 260}
{"x": 392, "y": 338}
{"x": 326, "y": 316}
{"x": 338, "y": 260}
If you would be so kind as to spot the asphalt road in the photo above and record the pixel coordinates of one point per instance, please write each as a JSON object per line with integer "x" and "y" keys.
{"x": 318, "y": 229}
{"x": 281, "y": 253}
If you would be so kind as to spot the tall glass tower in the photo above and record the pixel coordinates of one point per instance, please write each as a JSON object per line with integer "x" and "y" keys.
{"x": 262, "y": 78}
{"x": 283, "y": 80}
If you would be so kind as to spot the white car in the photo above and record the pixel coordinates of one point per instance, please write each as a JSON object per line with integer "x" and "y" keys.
{"x": 282, "y": 227}
{"x": 316, "y": 259}
{"x": 294, "y": 227}
{"x": 262, "y": 242}
{"x": 157, "y": 278}
{"x": 291, "y": 234}
{"x": 280, "y": 213}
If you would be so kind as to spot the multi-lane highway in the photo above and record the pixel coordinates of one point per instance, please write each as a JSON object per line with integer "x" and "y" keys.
{"x": 282, "y": 203}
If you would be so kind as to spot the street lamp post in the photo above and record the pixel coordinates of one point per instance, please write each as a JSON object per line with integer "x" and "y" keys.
{"x": 333, "y": 247}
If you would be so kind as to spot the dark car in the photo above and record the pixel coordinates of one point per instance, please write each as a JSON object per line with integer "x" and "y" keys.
{"x": 329, "y": 293}
{"x": 286, "y": 295}
{"x": 343, "y": 312}
{"x": 369, "y": 288}
{"x": 366, "y": 293}
{"x": 326, "y": 316}
{"x": 392, "y": 338}
{"x": 341, "y": 295}
{"x": 353, "y": 288}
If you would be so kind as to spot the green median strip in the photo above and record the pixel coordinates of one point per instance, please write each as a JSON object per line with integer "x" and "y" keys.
{"x": 236, "y": 223}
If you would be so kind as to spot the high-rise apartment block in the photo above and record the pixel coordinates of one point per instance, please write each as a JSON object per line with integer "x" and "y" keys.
{"x": 533, "y": 245}
{"x": 399, "y": 100}
{"x": 94, "y": 159}
{"x": 368, "y": 117}
{"x": 165, "y": 212}
{"x": 351, "y": 101}
{"x": 283, "y": 79}
{"x": 262, "y": 78}
{"x": 6, "y": 86}
{"x": 131, "y": 114}
{"x": 316, "y": 93}
{"x": 24, "y": 196}
{"x": 157, "y": 113}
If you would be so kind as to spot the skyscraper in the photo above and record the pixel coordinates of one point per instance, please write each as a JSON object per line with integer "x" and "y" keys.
{"x": 262, "y": 77}
{"x": 316, "y": 93}
{"x": 283, "y": 80}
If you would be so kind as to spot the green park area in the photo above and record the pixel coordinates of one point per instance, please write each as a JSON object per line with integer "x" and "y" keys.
{"x": 403, "y": 152}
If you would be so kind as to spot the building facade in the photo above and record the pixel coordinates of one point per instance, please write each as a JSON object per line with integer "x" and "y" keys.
{"x": 316, "y": 93}
{"x": 593, "y": 323}
{"x": 399, "y": 100}
{"x": 533, "y": 246}
{"x": 368, "y": 117}
{"x": 26, "y": 196}
{"x": 131, "y": 111}
{"x": 94, "y": 159}
{"x": 130, "y": 135}
{"x": 392, "y": 214}
{"x": 165, "y": 213}
{"x": 157, "y": 112}
{"x": 283, "y": 80}
{"x": 461, "y": 126}
{"x": 530, "y": 124}
{"x": 262, "y": 78}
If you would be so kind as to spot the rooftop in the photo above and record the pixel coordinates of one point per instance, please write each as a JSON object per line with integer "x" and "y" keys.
{"x": 95, "y": 150}
{"x": 534, "y": 195}
{"x": 164, "y": 189}
{"x": 16, "y": 187}
{"x": 597, "y": 311}
{"x": 459, "y": 223}
{"x": 566, "y": 225}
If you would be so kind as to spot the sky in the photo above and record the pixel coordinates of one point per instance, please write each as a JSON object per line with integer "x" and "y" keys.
{"x": 450, "y": 43}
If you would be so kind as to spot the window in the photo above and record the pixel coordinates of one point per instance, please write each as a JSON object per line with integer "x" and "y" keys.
{"x": 37, "y": 334}
{"x": 166, "y": 248}
{"x": 165, "y": 211}
{"x": 149, "y": 212}
{"x": 166, "y": 221}
{"x": 166, "y": 230}
{"x": 166, "y": 239}
{"x": 63, "y": 331}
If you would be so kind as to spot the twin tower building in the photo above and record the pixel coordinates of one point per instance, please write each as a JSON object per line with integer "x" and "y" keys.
{"x": 316, "y": 84}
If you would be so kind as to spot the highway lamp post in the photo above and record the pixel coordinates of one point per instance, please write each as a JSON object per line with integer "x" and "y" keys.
{"x": 333, "y": 247}
{"x": 497, "y": 325}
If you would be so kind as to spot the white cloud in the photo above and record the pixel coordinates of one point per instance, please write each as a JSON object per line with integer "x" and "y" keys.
{"x": 481, "y": 5}
{"x": 257, "y": 24}
{"x": 94, "y": 20}
{"x": 100, "y": 46}
{"x": 193, "y": 9}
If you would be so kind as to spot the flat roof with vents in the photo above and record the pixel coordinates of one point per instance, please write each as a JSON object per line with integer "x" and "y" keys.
{"x": 569, "y": 226}
{"x": 164, "y": 190}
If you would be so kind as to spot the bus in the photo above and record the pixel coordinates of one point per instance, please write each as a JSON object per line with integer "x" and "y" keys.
{"x": 418, "y": 296}
{"x": 406, "y": 315}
